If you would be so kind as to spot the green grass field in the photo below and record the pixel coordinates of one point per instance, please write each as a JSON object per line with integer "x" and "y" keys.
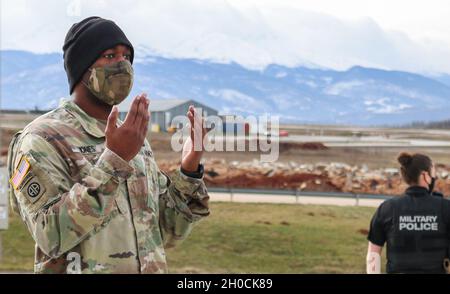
{"x": 249, "y": 238}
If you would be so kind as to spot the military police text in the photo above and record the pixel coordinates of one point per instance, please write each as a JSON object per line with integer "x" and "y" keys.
{"x": 418, "y": 223}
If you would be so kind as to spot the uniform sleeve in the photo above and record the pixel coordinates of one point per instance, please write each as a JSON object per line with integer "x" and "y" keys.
{"x": 183, "y": 202}
{"x": 377, "y": 231}
{"x": 60, "y": 215}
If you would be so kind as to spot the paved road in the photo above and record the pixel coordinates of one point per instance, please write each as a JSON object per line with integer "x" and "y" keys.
{"x": 353, "y": 141}
{"x": 290, "y": 199}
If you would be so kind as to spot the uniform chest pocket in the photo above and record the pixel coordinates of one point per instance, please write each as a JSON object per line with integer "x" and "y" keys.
{"x": 121, "y": 204}
{"x": 151, "y": 171}
{"x": 153, "y": 192}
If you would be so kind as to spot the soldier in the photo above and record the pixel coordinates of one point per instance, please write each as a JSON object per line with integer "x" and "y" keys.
{"x": 415, "y": 227}
{"x": 86, "y": 184}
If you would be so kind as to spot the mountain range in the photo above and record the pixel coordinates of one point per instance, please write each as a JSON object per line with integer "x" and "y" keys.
{"x": 301, "y": 94}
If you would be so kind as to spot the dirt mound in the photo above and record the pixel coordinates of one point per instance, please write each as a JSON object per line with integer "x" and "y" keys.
{"x": 325, "y": 177}
{"x": 271, "y": 179}
{"x": 315, "y": 146}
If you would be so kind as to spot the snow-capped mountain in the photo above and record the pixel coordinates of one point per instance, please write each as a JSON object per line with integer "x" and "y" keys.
{"x": 363, "y": 96}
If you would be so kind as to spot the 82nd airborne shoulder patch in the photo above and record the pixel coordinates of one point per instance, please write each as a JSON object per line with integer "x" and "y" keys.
{"x": 33, "y": 189}
{"x": 24, "y": 180}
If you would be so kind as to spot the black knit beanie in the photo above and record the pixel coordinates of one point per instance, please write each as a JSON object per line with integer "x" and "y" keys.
{"x": 84, "y": 43}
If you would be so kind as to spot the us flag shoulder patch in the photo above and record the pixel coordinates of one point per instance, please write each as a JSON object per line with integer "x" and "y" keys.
{"x": 19, "y": 175}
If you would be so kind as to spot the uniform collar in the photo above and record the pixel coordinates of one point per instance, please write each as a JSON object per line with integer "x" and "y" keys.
{"x": 417, "y": 191}
{"x": 94, "y": 127}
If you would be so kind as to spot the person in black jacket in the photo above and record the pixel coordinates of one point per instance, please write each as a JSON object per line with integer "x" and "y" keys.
{"x": 414, "y": 226}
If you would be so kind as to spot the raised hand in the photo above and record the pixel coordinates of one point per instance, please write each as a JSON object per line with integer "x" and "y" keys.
{"x": 193, "y": 148}
{"x": 127, "y": 140}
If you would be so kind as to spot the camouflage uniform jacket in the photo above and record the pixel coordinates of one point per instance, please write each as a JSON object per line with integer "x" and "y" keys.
{"x": 90, "y": 211}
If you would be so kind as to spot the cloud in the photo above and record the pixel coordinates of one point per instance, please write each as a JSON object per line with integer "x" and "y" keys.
{"x": 382, "y": 106}
{"x": 251, "y": 35}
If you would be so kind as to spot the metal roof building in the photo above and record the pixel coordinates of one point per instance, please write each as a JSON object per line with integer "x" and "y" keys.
{"x": 164, "y": 110}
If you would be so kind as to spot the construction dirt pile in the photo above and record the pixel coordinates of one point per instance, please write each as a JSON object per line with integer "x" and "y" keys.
{"x": 326, "y": 177}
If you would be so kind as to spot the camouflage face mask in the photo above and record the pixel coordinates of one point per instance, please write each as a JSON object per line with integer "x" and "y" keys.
{"x": 111, "y": 83}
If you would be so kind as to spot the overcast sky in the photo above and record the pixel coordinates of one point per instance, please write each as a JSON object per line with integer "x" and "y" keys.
{"x": 398, "y": 34}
